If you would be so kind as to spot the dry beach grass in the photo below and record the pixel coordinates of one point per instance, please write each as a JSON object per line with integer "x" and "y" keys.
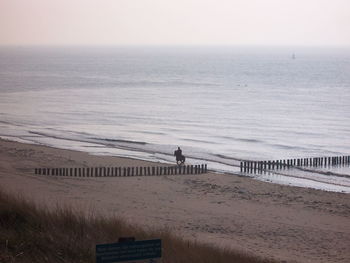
{"x": 32, "y": 234}
{"x": 271, "y": 221}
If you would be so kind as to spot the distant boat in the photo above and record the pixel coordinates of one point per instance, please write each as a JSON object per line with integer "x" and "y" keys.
{"x": 293, "y": 56}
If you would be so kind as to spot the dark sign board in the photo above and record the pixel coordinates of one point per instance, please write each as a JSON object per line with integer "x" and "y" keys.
{"x": 128, "y": 251}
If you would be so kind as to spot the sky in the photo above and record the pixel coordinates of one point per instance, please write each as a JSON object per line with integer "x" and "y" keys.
{"x": 175, "y": 22}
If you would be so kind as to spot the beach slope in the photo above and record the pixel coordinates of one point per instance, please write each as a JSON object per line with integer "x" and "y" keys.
{"x": 274, "y": 221}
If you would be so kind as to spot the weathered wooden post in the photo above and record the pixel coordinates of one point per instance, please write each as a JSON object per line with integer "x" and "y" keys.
{"x": 277, "y": 164}
{"x": 205, "y": 168}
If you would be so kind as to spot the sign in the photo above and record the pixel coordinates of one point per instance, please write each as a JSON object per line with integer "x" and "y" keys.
{"x": 147, "y": 250}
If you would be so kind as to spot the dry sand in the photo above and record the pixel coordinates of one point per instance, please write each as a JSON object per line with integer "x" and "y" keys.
{"x": 286, "y": 223}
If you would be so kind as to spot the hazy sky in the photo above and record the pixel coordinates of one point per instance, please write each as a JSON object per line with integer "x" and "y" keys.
{"x": 173, "y": 22}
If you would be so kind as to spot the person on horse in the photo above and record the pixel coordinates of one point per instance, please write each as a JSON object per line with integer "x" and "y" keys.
{"x": 179, "y": 157}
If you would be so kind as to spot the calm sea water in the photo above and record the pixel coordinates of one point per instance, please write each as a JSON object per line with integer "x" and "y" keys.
{"x": 220, "y": 105}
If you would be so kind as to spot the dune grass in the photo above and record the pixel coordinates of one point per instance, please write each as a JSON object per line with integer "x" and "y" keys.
{"x": 29, "y": 233}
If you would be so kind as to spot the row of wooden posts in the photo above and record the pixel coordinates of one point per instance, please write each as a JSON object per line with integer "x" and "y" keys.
{"x": 123, "y": 171}
{"x": 258, "y": 166}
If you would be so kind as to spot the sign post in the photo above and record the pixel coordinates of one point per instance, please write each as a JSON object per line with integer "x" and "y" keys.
{"x": 149, "y": 251}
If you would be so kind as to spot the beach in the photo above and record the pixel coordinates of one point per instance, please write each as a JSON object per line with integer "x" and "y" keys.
{"x": 290, "y": 224}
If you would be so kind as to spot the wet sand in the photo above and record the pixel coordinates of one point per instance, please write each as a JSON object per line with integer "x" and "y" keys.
{"x": 287, "y": 223}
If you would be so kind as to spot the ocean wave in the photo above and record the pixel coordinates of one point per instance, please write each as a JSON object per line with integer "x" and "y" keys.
{"x": 119, "y": 141}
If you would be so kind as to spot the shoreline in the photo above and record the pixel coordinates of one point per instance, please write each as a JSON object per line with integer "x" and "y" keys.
{"x": 323, "y": 178}
{"x": 275, "y": 221}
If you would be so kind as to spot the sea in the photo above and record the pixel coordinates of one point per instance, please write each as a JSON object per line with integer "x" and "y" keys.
{"x": 220, "y": 104}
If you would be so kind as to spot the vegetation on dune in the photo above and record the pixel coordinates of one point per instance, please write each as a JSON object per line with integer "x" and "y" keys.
{"x": 29, "y": 233}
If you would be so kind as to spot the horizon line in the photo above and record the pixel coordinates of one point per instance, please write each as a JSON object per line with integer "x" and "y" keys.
{"x": 181, "y": 45}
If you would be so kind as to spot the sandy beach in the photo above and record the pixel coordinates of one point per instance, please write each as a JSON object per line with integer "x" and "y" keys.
{"x": 286, "y": 223}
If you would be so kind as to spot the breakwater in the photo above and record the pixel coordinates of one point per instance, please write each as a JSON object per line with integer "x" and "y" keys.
{"x": 122, "y": 171}
{"x": 259, "y": 166}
